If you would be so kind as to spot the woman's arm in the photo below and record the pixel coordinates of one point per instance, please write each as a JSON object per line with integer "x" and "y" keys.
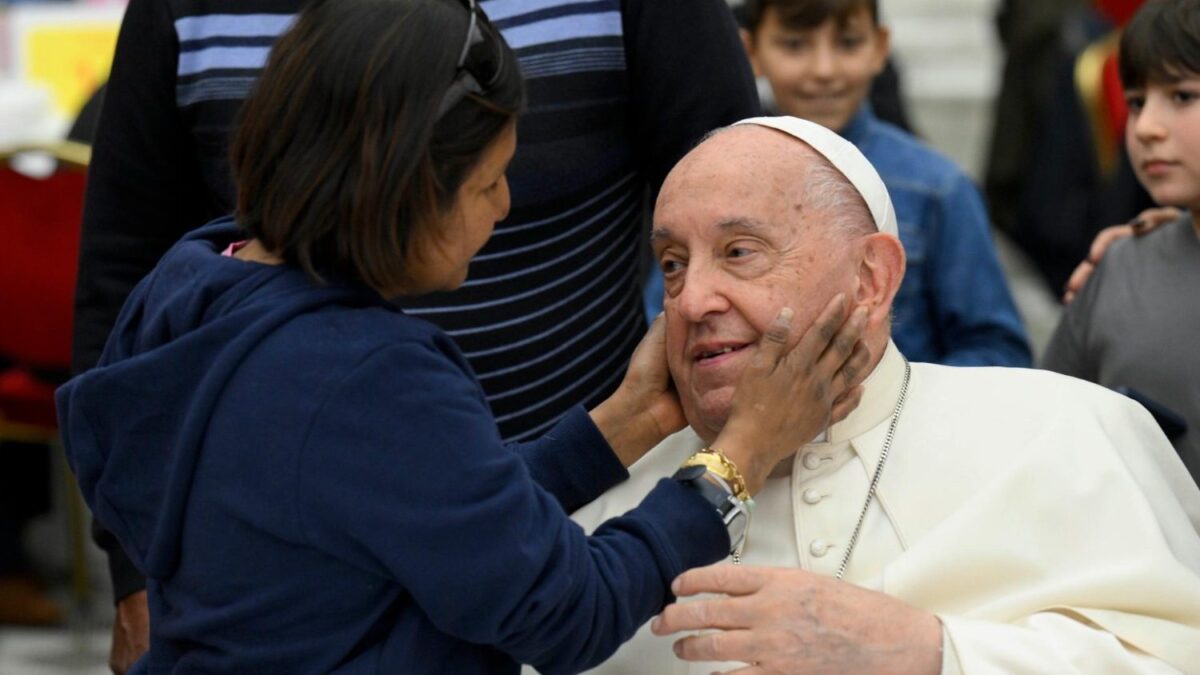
{"x": 403, "y": 474}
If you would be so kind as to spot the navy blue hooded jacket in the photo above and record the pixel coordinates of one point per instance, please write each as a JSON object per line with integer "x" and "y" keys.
{"x": 312, "y": 482}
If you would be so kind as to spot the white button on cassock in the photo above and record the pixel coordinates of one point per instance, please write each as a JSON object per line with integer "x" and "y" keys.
{"x": 818, "y": 547}
{"x": 811, "y": 496}
{"x": 811, "y": 461}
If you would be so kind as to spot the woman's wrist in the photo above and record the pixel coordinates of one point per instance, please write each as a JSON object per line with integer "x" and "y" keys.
{"x": 629, "y": 432}
{"x": 746, "y": 451}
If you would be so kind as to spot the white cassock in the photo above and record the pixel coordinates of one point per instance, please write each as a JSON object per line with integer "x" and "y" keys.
{"x": 1047, "y": 522}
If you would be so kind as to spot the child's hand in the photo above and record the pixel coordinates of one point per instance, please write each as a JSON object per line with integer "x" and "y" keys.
{"x": 1145, "y": 222}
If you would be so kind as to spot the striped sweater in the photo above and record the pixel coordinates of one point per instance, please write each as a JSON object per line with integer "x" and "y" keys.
{"x": 618, "y": 90}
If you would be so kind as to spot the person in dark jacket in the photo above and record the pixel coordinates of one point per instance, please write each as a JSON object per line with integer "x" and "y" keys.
{"x": 617, "y": 93}
{"x": 309, "y": 477}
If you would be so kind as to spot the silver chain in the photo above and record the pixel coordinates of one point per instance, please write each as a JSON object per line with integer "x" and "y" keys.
{"x": 883, "y": 455}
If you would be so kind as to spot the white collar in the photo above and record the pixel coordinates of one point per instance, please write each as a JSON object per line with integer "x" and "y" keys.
{"x": 880, "y": 391}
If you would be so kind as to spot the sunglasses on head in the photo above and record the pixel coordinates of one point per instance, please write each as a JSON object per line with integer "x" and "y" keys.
{"x": 479, "y": 63}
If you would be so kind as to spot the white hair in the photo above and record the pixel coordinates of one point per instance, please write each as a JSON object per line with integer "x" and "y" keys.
{"x": 830, "y": 194}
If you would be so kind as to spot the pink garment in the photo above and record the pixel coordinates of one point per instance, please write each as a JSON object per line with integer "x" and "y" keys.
{"x": 234, "y": 248}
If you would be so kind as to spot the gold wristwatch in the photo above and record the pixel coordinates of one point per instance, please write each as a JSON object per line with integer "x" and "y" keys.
{"x": 720, "y": 483}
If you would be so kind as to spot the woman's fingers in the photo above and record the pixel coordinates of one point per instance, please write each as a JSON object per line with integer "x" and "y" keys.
{"x": 822, "y": 332}
{"x": 773, "y": 347}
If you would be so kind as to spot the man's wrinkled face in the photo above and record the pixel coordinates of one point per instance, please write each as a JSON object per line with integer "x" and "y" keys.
{"x": 736, "y": 244}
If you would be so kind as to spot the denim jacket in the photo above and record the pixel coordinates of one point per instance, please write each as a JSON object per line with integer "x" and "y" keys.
{"x": 954, "y": 306}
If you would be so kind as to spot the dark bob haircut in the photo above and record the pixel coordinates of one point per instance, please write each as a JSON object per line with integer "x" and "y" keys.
{"x": 1161, "y": 44}
{"x": 806, "y": 14}
{"x": 341, "y": 155}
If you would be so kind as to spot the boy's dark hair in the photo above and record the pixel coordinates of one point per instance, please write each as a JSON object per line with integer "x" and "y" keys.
{"x": 805, "y": 14}
{"x": 340, "y": 154}
{"x": 1161, "y": 44}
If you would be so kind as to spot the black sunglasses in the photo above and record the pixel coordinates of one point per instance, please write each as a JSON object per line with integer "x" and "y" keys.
{"x": 479, "y": 61}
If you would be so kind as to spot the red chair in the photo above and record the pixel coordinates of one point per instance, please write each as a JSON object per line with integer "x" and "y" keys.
{"x": 39, "y": 250}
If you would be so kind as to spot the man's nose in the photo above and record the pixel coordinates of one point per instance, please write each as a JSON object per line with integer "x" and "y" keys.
{"x": 701, "y": 296}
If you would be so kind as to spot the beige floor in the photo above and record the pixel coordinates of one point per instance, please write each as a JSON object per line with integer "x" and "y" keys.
{"x": 79, "y": 651}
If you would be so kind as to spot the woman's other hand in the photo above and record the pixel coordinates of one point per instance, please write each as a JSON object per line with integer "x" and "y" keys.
{"x": 644, "y": 409}
{"x": 786, "y": 397}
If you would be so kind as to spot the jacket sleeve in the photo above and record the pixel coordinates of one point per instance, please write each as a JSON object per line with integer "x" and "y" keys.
{"x": 688, "y": 75}
{"x": 144, "y": 191}
{"x": 500, "y": 563}
{"x": 977, "y": 320}
{"x": 572, "y": 461}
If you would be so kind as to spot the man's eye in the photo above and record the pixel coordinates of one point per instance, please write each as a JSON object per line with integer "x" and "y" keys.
{"x": 740, "y": 252}
{"x": 670, "y": 266}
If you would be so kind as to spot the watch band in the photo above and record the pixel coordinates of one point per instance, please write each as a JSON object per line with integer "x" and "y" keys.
{"x": 734, "y": 512}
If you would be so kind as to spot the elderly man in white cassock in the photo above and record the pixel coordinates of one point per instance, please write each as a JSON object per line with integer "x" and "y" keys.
{"x": 960, "y": 520}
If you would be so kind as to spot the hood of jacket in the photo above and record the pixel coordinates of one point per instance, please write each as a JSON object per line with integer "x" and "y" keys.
{"x": 133, "y": 426}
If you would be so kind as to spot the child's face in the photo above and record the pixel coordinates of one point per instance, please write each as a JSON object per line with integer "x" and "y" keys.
{"x": 1163, "y": 138}
{"x": 820, "y": 74}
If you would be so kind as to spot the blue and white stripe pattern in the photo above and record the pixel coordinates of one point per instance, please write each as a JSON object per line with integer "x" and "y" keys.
{"x": 220, "y": 55}
{"x": 551, "y": 311}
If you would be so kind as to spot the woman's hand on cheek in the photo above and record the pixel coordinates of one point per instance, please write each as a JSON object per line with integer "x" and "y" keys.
{"x": 649, "y": 383}
{"x": 645, "y": 408}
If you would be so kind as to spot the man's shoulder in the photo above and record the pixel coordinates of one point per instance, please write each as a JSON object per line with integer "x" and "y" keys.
{"x": 1023, "y": 400}
{"x": 983, "y": 426}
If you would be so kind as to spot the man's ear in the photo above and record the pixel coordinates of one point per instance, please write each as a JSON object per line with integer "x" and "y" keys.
{"x": 748, "y": 45}
{"x": 880, "y": 272}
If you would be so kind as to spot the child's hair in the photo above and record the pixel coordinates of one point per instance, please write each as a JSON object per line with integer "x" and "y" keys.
{"x": 360, "y": 131}
{"x": 806, "y": 14}
{"x": 1161, "y": 44}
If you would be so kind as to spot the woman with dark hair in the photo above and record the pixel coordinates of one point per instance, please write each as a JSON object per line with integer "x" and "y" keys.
{"x": 310, "y": 479}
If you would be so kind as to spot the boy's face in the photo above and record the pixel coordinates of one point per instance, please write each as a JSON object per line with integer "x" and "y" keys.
{"x": 1163, "y": 138}
{"x": 823, "y": 73}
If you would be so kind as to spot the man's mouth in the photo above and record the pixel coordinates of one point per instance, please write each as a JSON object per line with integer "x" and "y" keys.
{"x": 710, "y": 354}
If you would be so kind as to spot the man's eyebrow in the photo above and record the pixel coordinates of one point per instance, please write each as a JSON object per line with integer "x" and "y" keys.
{"x": 749, "y": 224}
{"x": 730, "y": 224}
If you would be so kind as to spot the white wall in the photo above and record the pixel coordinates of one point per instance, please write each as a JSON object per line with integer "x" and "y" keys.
{"x": 950, "y": 63}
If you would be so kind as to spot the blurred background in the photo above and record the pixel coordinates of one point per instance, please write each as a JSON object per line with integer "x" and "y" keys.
{"x": 53, "y": 56}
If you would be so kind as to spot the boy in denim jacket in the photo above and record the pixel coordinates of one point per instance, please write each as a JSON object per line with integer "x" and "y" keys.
{"x": 954, "y": 306}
